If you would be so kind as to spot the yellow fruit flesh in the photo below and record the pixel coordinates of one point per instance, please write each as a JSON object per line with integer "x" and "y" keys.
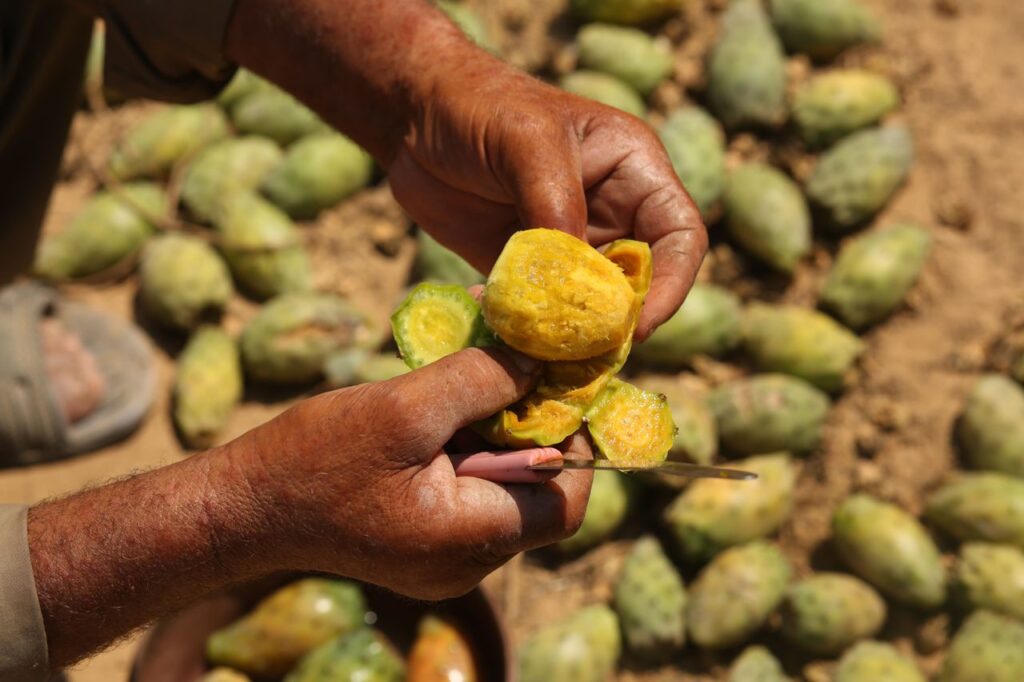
{"x": 631, "y": 426}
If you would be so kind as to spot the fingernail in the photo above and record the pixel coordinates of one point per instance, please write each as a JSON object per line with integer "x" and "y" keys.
{"x": 525, "y": 363}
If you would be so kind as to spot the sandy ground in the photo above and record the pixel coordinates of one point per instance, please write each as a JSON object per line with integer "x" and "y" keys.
{"x": 959, "y": 64}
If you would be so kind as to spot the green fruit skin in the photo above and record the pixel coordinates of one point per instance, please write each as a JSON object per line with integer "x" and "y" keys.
{"x": 224, "y": 675}
{"x": 876, "y": 661}
{"x": 767, "y": 215}
{"x": 286, "y": 625}
{"x": 991, "y": 430}
{"x": 756, "y": 664}
{"x": 271, "y": 112}
{"x": 711, "y": 514}
{"x": 650, "y": 599}
{"x": 891, "y": 550}
{"x": 224, "y": 169}
{"x": 470, "y": 22}
{"x": 695, "y": 144}
{"x": 708, "y": 323}
{"x": 988, "y": 647}
{"x": 289, "y": 340}
{"x": 317, "y": 172}
{"x": 170, "y": 135}
{"x": 363, "y": 656}
{"x": 606, "y": 510}
{"x": 182, "y": 278}
{"x": 826, "y": 613}
{"x": 696, "y": 438}
{"x": 991, "y": 577}
{"x": 734, "y": 595}
{"x": 583, "y": 647}
{"x": 353, "y": 366}
{"x": 436, "y": 263}
{"x": 629, "y": 54}
{"x": 982, "y": 506}
{"x": 627, "y": 12}
{"x": 605, "y": 89}
{"x": 874, "y": 272}
{"x": 241, "y": 86}
{"x": 837, "y": 103}
{"x": 822, "y": 29}
{"x": 111, "y": 228}
{"x": 800, "y": 342}
{"x": 769, "y": 413}
{"x": 856, "y": 178}
{"x": 747, "y": 69}
{"x": 207, "y": 386}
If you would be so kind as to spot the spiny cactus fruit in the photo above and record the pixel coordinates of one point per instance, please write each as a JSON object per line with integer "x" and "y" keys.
{"x": 629, "y": 54}
{"x": 364, "y": 655}
{"x": 181, "y": 280}
{"x": 317, "y": 172}
{"x": 982, "y": 506}
{"x": 991, "y": 430}
{"x": 873, "y": 274}
{"x": 606, "y": 510}
{"x": 708, "y": 323}
{"x": 989, "y": 576}
{"x": 606, "y": 89}
{"x": 696, "y": 146}
{"x": 822, "y": 29}
{"x": 837, "y": 103}
{"x": 856, "y": 178}
{"x": 287, "y": 625}
{"x": 111, "y": 229}
{"x": 891, "y": 550}
{"x": 207, "y": 385}
{"x": 241, "y": 86}
{"x": 827, "y": 612}
{"x": 801, "y": 342}
{"x": 435, "y": 320}
{"x": 769, "y": 413}
{"x": 471, "y": 23}
{"x": 876, "y": 661}
{"x": 747, "y": 69}
{"x": 440, "y": 654}
{"x": 631, "y": 426}
{"x": 696, "y": 438}
{"x": 272, "y": 112}
{"x": 766, "y": 214}
{"x": 651, "y": 601}
{"x": 289, "y": 340}
{"x": 435, "y": 263}
{"x": 987, "y": 647}
{"x": 352, "y": 366}
{"x": 584, "y": 647}
{"x": 224, "y": 675}
{"x": 165, "y": 138}
{"x": 224, "y": 169}
{"x": 735, "y": 593}
{"x": 628, "y": 12}
{"x": 756, "y": 664}
{"x": 711, "y": 514}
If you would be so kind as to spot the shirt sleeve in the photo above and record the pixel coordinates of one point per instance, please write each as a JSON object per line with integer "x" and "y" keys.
{"x": 23, "y": 655}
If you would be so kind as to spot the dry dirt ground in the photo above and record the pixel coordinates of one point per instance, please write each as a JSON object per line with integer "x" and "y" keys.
{"x": 959, "y": 64}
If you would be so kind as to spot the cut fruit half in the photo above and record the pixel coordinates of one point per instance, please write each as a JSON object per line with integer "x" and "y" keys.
{"x": 631, "y": 426}
{"x": 436, "y": 320}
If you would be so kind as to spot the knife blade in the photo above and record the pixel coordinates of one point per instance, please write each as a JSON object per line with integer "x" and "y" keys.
{"x": 673, "y": 468}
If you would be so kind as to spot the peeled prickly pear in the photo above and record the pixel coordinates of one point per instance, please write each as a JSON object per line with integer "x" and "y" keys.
{"x": 440, "y": 654}
{"x": 874, "y": 662}
{"x": 182, "y": 279}
{"x": 226, "y": 168}
{"x": 766, "y": 214}
{"x": 837, "y": 103}
{"x": 983, "y": 506}
{"x": 822, "y": 29}
{"x": 756, "y": 664}
{"x": 629, "y": 54}
{"x": 629, "y": 425}
{"x": 364, "y": 655}
{"x": 827, "y": 612}
{"x": 629, "y": 12}
{"x": 165, "y": 138}
{"x": 651, "y": 600}
{"x": 696, "y": 438}
{"x": 987, "y": 647}
{"x": 990, "y": 577}
{"x": 207, "y": 386}
{"x": 606, "y": 510}
{"x": 273, "y": 113}
{"x": 317, "y": 172}
{"x": 708, "y": 323}
{"x": 605, "y": 89}
{"x": 436, "y": 263}
{"x": 584, "y": 647}
{"x": 991, "y": 430}
{"x": 696, "y": 146}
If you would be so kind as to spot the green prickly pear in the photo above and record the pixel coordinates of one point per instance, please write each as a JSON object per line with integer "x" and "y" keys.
{"x": 353, "y": 366}
{"x": 876, "y": 661}
{"x": 651, "y": 600}
{"x": 766, "y": 214}
{"x": 629, "y": 54}
{"x": 827, "y": 612}
{"x": 991, "y": 430}
{"x": 111, "y": 228}
{"x": 990, "y": 577}
{"x": 982, "y": 506}
{"x": 584, "y": 647}
{"x": 317, "y": 172}
{"x": 756, "y": 664}
{"x": 801, "y": 342}
{"x": 606, "y": 510}
{"x": 272, "y": 112}
{"x": 696, "y": 438}
{"x": 628, "y": 12}
{"x": 837, "y": 103}
{"x": 182, "y": 279}
{"x": 241, "y": 86}
{"x": 696, "y": 146}
{"x": 361, "y": 656}
{"x": 165, "y": 138}
{"x": 891, "y": 550}
{"x": 708, "y": 323}
{"x": 436, "y": 263}
{"x": 207, "y": 385}
{"x": 873, "y": 274}
{"x": 605, "y": 89}
{"x": 471, "y": 23}
{"x": 987, "y": 647}
{"x": 822, "y": 29}
{"x": 226, "y": 168}
{"x": 224, "y": 675}
{"x": 856, "y": 178}
{"x": 287, "y": 625}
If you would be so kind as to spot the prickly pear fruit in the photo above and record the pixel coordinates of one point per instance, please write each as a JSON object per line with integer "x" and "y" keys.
{"x": 711, "y": 514}
{"x": 224, "y": 675}
{"x": 801, "y": 342}
{"x": 436, "y": 263}
{"x": 982, "y": 506}
{"x": 989, "y": 576}
{"x": 241, "y": 86}
{"x": 821, "y": 29}
{"x": 290, "y": 339}
{"x": 856, "y": 178}
{"x": 766, "y": 214}
{"x": 631, "y": 426}
{"x": 747, "y": 69}
{"x": 111, "y": 228}
{"x": 272, "y": 112}
{"x": 987, "y": 647}
{"x": 876, "y": 661}
{"x": 435, "y": 320}
{"x": 584, "y": 647}
{"x": 471, "y": 23}
{"x": 756, "y": 664}
{"x": 364, "y": 655}
{"x": 874, "y": 272}
{"x": 440, "y": 654}
{"x": 353, "y": 366}
{"x": 207, "y": 386}
{"x": 696, "y": 438}
{"x": 605, "y": 89}
{"x": 651, "y": 602}
{"x": 891, "y": 550}
{"x": 735, "y": 593}
{"x": 991, "y": 430}
{"x": 182, "y": 279}
{"x": 696, "y": 146}
{"x": 226, "y": 168}
{"x": 629, "y": 54}
{"x": 166, "y": 137}
{"x": 837, "y": 103}
{"x": 606, "y": 510}
{"x": 317, "y": 172}
{"x": 827, "y": 612}
{"x": 769, "y": 413}
{"x": 627, "y": 12}
{"x": 287, "y": 625}
{"x": 708, "y": 323}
